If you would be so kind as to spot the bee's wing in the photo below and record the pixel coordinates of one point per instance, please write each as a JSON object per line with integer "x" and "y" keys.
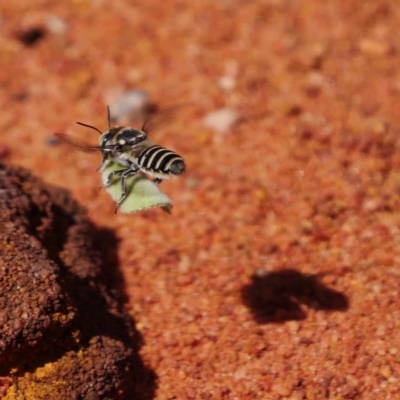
{"x": 156, "y": 117}
{"x": 78, "y": 144}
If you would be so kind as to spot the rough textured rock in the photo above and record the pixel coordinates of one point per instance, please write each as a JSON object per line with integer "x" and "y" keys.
{"x": 64, "y": 333}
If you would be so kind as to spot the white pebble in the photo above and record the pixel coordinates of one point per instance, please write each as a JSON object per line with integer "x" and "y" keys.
{"x": 221, "y": 120}
{"x": 56, "y": 25}
{"x": 227, "y": 82}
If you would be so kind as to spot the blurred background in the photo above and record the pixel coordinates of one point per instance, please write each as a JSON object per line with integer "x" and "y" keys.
{"x": 276, "y": 274}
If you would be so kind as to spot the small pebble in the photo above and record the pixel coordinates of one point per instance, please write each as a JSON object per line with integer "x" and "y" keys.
{"x": 313, "y": 83}
{"x": 221, "y": 120}
{"x": 373, "y": 47}
{"x": 386, "y": 372}
{"x": 293, "y": 326}
{"x": 56, "y": 25}
{"x": 281, "y": 390}
{"x": 227, "y": 82}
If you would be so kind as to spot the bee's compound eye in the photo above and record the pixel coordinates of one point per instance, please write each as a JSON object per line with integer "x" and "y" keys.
{"x": 105, "y": 140}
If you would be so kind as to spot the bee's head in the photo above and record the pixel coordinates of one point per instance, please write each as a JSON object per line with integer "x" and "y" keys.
{"x": 130, "y": 136}
{"x": 106, "y": 138}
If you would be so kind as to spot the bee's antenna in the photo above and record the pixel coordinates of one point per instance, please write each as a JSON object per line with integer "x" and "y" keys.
{"x": 91, "y": 127}
{"x": 109, "y": 116}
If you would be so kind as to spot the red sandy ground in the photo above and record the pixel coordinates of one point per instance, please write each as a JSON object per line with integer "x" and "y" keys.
{"x": 306, "y": 187}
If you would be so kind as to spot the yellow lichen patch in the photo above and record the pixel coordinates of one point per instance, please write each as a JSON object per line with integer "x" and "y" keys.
{"x": 45, "y": 371}
{"x": 11, "y": 393}
{"x": 42, "y": 384}
{"x": 34, "y": 390}
{"x": 59, "y": 317}
{"x": 8, "y": 245}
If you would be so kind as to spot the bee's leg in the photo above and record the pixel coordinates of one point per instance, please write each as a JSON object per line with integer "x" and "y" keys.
{"x": 111, "y": 177}
{"x": 157, "y": 181}
{"x": 125, "y": 175}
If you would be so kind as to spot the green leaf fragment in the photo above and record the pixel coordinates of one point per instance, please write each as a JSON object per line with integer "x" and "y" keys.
{"x": 142, "y": 192}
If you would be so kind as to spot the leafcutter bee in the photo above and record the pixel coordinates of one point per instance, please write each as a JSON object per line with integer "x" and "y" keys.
{"x": 131, "y": 148}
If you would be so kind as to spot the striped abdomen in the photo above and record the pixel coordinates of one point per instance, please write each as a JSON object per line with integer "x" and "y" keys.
{"x": 161, "y": 161}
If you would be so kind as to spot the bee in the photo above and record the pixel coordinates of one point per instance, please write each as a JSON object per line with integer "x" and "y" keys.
{"x": 131, "y": 148}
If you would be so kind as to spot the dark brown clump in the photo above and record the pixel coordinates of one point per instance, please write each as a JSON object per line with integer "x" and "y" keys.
{"x": 63, "y": 330}
{"x": 31, "y": 36}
